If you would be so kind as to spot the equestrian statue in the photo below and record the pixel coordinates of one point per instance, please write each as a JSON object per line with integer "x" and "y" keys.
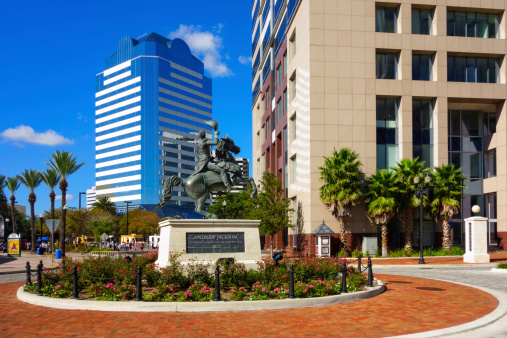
{"x": 212, "y": 174}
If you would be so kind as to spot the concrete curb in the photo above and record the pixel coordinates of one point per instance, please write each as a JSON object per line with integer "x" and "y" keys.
{"x": 132, "y": 306}
{"x": 499, "y": 312}
{"x": 499, "y": 270}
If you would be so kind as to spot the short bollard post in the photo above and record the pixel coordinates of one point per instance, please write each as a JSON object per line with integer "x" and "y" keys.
{"x": 217, "y": 284}
{"x": 28, "y": 274}
{"x": 344, "y": 278}
{"x": 359, "y": 263}
{"x": 291, "y": 282}
{"x": 39, "y": 279}
{"x": 75, "y": 292}
{"x": 370, "y": 273}
{"x": 139, "y": 286}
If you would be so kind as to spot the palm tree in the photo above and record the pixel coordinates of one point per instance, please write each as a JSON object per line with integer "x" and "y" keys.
{"x": 31, "y": 179}
{"x": 447, "y": 189}
{"x": 105, "y": 203}
{"x": 406, "y": 201}
{"x": 51, "y": 178}
{"x": 13, "y": 185}
{"x": 3, "y": 182}
{"x": 342, "y": 177}
{"x": 381, "y": 202}
{"x": 65, "y": 164}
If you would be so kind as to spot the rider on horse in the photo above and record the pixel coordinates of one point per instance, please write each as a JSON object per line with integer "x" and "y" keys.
{"x": 205, "y": 161}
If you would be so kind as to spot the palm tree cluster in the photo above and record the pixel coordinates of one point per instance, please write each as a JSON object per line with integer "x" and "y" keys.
{"x": 389, "y": 193}
{"x": 61, "y": 165}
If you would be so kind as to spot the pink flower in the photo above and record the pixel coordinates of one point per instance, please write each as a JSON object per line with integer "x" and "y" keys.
{"x": 263, "y": 289}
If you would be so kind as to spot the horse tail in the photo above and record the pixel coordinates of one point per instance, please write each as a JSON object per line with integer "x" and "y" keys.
{"x": 168, "y": 190}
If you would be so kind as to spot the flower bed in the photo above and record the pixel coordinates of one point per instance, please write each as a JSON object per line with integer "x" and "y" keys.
{"x": 114, "y": 279}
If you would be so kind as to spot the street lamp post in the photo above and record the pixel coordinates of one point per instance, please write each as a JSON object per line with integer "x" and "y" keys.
{"x": 423, "y": 191}
{"x": 224, "y": 203}
{"x": 127, "y": 203}
{"x": 81, "y": 193}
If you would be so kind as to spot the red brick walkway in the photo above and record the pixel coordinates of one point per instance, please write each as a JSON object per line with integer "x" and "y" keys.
{"x": 409, "y": 305}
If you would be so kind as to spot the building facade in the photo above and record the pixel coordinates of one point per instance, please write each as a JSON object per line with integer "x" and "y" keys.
{"x": 390, "y": 80}
{"x": 91, "y": 197}
{"x": 151, "y": 101}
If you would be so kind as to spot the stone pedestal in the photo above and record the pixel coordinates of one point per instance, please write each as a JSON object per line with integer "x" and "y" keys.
{"x": 476, "y": 239}
{"x": 210, "y": 239}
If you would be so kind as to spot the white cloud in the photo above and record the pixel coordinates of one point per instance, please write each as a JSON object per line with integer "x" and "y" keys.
{"x": 82, "y": 117}
{"x": 206, "y": 46}
{"x": 27, "y": 134}
{"x": 68, "y": 197}
{"x": 246, "y": 60}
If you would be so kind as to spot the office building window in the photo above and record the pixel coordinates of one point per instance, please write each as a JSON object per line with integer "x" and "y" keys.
{"x": 465, "y": 146}
{"x": 490, "y": 204}
{"x": 422, "y": 20}
{"x": 488, "y": 123}
{"x": 279, "y": 107}
{"x": 273, "y": 120}
{"x": 294, "y": 168}
{"x": 422, "y": 131}
{"x": 473, "y": 69}
{"x": 490, "y": 163}
{"x": 267, "y": 128}
{"x": 293, "y": 129}
{"x": 286, "y": 102}
{"x": 387, "y": 132}
{"x": 279, "y": 76}
{"x": 285, "y": 64}
{"x": 386, "y": 19}
{"x": 293, "y": 45}
{"x": 268, "y": 97}
{"x": 422, "y": 67}
{"x": 387, "y": 65}
{"x": 293, "y": 86}
{"x": 470, "y": 24}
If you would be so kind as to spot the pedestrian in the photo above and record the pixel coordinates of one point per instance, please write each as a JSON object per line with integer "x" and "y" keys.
{"x": 142, "y": 246}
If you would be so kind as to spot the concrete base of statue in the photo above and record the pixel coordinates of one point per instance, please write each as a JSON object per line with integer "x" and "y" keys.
{"x": 476, "y": 239}
{"x": 207, "y": 240}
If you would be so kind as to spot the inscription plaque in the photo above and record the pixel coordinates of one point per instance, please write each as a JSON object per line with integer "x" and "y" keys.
{"x": 215, "y": 242}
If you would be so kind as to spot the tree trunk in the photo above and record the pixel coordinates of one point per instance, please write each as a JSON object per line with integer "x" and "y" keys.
{"x": 31, "y": 199}
{"x": 384, "y": 240}
{"x": 13, "y": 213}
{"x": 63, "y": 187}
{"x": 446, "y": 233}
{"x": 407, "y": 221}
{"x": 52, "y": 197}
{"x": 343, "y": 234}
{"x": 271, "y": 236}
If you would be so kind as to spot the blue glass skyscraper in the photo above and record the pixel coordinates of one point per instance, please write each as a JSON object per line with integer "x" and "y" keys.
{"x": 151, "y": 101}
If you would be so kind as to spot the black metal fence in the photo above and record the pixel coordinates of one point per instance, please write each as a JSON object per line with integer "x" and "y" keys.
{"x": 217, "y": 297}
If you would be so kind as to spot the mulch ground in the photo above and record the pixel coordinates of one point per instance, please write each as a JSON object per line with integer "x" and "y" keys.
{"x": 409, "y": 305}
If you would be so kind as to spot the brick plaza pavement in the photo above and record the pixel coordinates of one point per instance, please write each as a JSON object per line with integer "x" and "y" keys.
{"x": 409, "y": 305}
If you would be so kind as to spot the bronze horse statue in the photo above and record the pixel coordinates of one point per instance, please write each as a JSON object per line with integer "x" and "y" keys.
{"x": 199, "y": 186}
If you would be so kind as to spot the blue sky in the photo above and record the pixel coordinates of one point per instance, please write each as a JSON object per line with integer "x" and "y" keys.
{"x": 52, "y": 50}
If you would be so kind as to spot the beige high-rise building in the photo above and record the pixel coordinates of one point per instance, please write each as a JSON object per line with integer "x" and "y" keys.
{"x": 390, "y": 80}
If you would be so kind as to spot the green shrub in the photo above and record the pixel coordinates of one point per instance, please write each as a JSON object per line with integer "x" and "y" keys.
{"x": 502, "y": 266}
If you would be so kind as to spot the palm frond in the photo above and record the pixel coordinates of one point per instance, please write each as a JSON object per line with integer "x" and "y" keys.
{"x": 30, "y": 179}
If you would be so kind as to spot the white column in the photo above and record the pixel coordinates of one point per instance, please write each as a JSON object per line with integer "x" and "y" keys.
{"x": 476, "y": 239}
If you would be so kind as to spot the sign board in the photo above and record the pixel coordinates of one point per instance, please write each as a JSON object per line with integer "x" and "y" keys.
{"x": 14, "y": 245}
{"x": 52, "y": 224}
{"x": 2, "y": 227}
{"x": 103, "y": 237}
{"x": 215, "y": 242}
